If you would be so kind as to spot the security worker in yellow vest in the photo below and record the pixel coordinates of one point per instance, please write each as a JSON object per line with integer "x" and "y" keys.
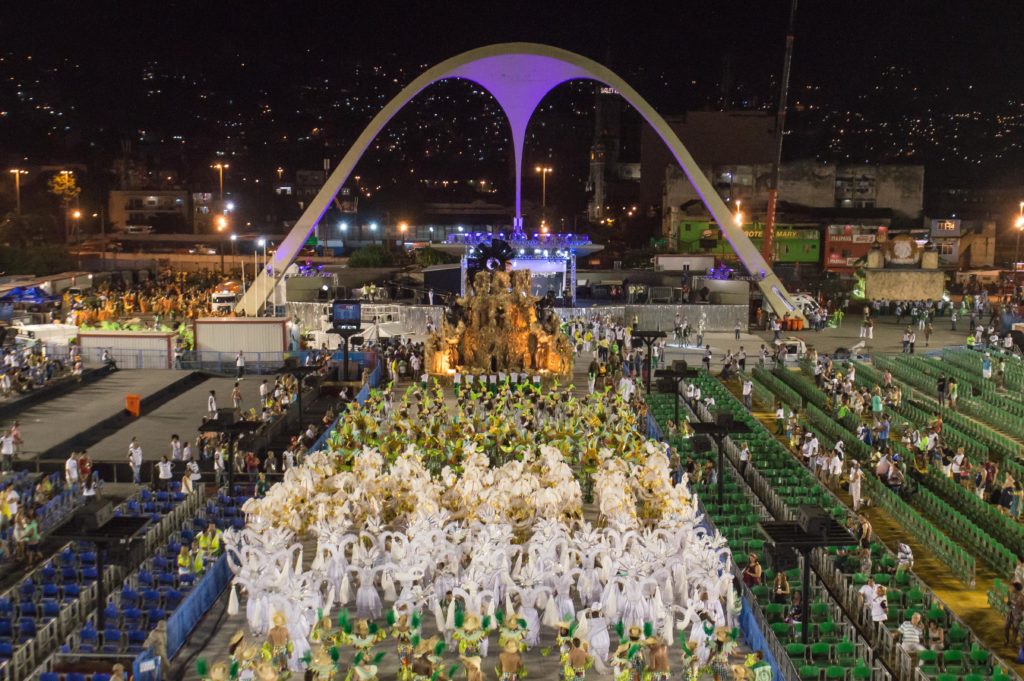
{"x": 210, "y": 541}
{"x": 197, "y": 559}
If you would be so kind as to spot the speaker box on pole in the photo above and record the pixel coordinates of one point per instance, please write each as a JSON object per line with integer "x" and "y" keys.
{"x": 813, "y": 520}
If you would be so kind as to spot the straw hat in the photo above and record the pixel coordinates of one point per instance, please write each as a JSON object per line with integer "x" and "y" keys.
{"x": 635, "y": 632}
{"x": 425, "y": 646}
{"x": 266, "y": 672}
{"x": 247, "y": 653}
{"x": 361, "y": 628}
{"x": 471, "y": 623}
{"x": 279, "y": 619}
{"x": 237, "y": 637}
{"x": 219, "y": 671}
{"x": 472, "y": 663}
{"x": 510, "y": 647}
{"x": 366, "y": 671}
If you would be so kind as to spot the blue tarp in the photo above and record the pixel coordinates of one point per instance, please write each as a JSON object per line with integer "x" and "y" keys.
{"x": 27, "y": 294}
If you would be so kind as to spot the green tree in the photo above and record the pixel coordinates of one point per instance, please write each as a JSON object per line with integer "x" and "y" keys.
{"x": 370, "y": 256}
{"x": 425, "y": 257}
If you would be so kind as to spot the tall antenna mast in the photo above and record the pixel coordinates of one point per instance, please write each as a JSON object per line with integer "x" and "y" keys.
{"x": 767, "y": 247}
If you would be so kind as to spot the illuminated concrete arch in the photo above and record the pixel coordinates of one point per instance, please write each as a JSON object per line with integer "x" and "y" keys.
{"x": 518, "y": 76}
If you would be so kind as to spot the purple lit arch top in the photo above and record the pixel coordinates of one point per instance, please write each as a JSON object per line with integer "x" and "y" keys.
{"x": 518, "y": 76}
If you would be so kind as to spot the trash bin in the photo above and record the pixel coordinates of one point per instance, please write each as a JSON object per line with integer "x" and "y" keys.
{"x": 133, "y": 404}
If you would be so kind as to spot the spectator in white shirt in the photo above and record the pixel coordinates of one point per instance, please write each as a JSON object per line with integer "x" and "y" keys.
{"x": 211, "y": 405}
{"x": 880, "y": 605}
{"x": 135, "y": 460}
{"x": 71, "y": 469}
{"x": 164, "y": 473}
{"x": 240, "y": 364}
{"x": 910, "y": 634}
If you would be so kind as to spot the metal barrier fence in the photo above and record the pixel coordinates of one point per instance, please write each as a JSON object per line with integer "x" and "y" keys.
{"x": 663, "y": 317}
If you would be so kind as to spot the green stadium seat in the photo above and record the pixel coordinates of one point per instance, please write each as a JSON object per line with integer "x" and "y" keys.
{"x": 810, "y": 672}
{"x": 797, "y": 652}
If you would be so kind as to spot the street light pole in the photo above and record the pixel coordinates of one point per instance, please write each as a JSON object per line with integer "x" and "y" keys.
{"x": 543, "y": 170}
{"x": 17, "y": 172}
{"x": 220, "y": 172}
{"x": 1019, "y": 224}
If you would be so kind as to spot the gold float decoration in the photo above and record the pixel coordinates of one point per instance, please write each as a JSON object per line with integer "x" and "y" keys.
{"x": 500, "y": 327}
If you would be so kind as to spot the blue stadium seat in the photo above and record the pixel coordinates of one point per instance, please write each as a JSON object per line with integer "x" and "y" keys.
{"x": 150, "y": 598}
{"x": 154, "y": 615}
{"x": 88, "y": 639}
{"x": 51, "y": 608}
{"x": 129, "y": 597}
{"x": 51, "y": 591}
{"x": 111, "y": 640}
{"x": 49, "y": 676}
{"x": 132, "y": 617}
{"x": 172, "y": 599}
{"x": 90, "y": 574}
{"x": 6, "y": 651}
{"x": 136, "y": 640}
{"x": 6, "y": 629}
{"x": 71, "y": 592}
{"x": 26, "y": 629}
{"x": 168, "y": 579}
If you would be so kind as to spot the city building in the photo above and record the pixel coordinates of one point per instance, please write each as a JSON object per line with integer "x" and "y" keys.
{"x": 964, "y": 244}
{"x": 162, "y": 209}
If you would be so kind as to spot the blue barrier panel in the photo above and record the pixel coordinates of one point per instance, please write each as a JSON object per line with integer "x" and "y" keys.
{"x": 203, "y": 595}
{"x": 653, "y": 431}
{"x": 754, "y": 637}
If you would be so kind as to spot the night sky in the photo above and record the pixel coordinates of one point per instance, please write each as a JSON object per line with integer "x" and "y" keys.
{"x": 934, "y": 82}
{"x": 979, "y": 42}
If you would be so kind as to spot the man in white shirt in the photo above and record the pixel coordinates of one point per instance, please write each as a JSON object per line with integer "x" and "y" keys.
{"x": 748, "y": 394}
{"x": 164, "y": 473}
{"x": 193, "y": 472}
{"x": 744, "y": 459}
{"x": 135, "y": 460}
{"x": 239, "y": 364}
{"x": 219, "y": 466}
{"x": 7, "y": 449}
{"x": 211, "y": 405}
{"x": 71, "y": 469}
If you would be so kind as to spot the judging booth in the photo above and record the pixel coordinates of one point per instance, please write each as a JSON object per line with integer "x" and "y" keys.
{"x": 263, "y": 340}
{"x": 129, "y": 349}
